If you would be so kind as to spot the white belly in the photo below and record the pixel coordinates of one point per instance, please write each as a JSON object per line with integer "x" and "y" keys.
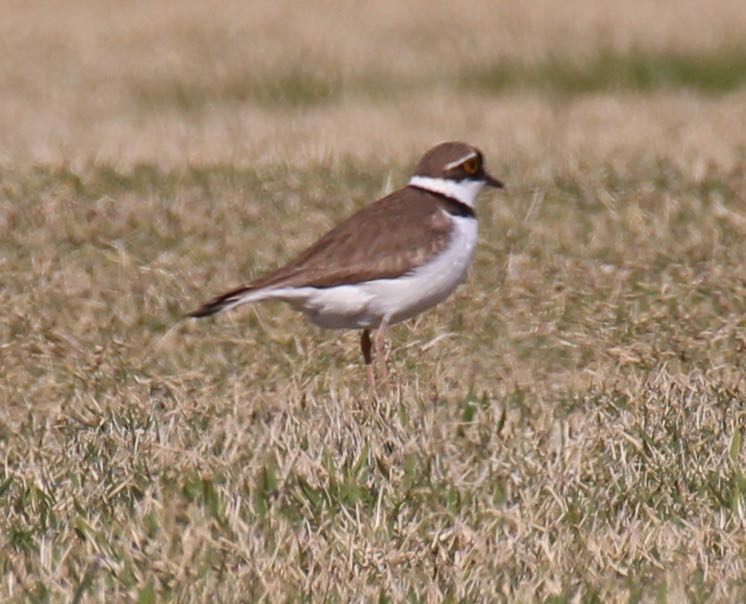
{"x": 367, "y": 304}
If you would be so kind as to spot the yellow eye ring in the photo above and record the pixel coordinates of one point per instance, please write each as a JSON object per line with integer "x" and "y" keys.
{"x": 471, "y": 166}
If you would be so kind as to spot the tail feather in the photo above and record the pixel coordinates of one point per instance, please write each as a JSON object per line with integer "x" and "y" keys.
{"x": 226, "y": 301}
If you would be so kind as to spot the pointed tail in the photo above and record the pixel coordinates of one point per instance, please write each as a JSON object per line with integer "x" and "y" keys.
{"x": 226, "y": 301}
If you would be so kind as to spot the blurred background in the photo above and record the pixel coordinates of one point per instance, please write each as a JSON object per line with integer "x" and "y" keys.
{"x": 260, "y": 82}
{"x": 567, "y": 427}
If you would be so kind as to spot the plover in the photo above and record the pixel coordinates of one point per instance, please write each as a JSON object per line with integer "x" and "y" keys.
{"x": 390, "y": 261}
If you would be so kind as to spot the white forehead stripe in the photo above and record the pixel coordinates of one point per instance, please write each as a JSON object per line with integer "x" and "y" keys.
{"x": 458, "y": 162}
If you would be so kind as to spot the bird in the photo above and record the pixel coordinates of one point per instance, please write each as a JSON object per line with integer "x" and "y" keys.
{"x": 388, "y": 262}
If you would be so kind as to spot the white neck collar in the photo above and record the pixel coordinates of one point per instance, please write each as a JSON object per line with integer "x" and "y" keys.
{"x": 465, "y": 191}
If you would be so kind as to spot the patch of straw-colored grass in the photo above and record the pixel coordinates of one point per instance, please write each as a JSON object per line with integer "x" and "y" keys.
{"x": 567, "y": 427}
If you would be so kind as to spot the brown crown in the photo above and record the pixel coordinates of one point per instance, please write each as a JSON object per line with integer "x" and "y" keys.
{"x": 455, "y": 161}
{"x": 434, "y": 163}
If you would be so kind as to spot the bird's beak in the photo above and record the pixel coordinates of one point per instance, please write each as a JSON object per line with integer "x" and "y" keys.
{"x": 491, "y": 181}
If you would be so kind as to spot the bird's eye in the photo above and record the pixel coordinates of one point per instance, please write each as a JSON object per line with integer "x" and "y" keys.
{"x": 471, "y": 166}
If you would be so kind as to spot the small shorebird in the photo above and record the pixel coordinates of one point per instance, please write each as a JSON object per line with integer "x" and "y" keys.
{"x": 390, "y": 261}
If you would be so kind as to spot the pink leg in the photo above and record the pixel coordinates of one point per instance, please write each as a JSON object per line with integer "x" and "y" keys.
{"x": 381, "y": 349}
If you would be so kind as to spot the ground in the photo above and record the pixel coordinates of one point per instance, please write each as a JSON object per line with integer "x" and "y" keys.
{"x": 567, "y": 427}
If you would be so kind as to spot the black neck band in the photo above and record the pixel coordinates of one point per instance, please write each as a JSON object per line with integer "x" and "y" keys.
{"x": 453, "y": 206}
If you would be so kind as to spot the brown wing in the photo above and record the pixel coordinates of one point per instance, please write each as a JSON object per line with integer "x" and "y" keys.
{"x": 386, "y": 239}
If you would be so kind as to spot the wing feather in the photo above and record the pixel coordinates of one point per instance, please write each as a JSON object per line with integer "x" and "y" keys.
{"x": 384, "y": 240}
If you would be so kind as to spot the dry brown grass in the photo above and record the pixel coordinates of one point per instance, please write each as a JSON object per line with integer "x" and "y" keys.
{"x": 568, "y": 427}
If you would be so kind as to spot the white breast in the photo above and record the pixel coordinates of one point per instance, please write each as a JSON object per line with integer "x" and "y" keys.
{"x": 367, "y": 304}
{"x": 405, "y": 297}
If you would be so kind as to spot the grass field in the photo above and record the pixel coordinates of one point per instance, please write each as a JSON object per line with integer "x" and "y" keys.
{"x": 568, "y": 427}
